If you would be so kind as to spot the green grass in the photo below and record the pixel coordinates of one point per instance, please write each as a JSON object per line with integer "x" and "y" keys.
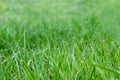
{"x": 59, "y": 40}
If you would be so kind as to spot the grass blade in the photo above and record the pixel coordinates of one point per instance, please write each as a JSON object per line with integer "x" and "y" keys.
{"x": 107, "y": 69}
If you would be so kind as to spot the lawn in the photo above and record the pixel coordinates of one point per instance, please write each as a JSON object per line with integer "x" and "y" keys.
{"x": 59, "y": 40}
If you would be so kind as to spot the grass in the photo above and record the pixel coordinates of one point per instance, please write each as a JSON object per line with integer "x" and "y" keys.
{"x": 59, "y": 40}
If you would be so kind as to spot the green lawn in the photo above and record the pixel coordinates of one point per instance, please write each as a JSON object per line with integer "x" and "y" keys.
{"x": 59, "y": 40}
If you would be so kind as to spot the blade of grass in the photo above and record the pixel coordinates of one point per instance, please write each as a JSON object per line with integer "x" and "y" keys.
{"x": 107, "y": 69}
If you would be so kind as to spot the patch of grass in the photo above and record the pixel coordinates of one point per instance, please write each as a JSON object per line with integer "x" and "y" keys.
{"x": 59, "y": 40}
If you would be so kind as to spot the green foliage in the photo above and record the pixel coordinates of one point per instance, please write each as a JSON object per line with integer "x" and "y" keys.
{"x": 59, "y": 40}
